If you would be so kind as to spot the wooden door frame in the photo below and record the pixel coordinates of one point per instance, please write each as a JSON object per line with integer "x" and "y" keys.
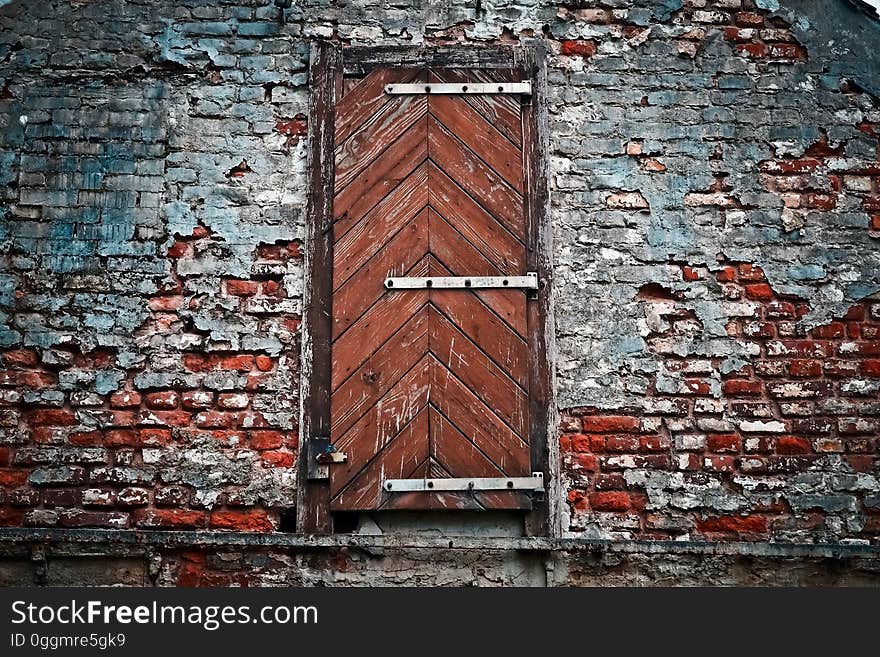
{"x": 328, "y": 64}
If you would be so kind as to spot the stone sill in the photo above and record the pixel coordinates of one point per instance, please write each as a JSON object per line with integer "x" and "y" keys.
{"x": 125, "y": 540}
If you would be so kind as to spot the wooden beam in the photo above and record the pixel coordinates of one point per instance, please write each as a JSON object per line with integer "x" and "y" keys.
{"x": 361, "y": 60}
{"x": 542, "y": 431}
{"x": 313, "y": 494}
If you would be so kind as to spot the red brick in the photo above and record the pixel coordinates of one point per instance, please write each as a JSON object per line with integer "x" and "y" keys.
{"x": 170, "y": 518}
{"x": 726, "y": 275}
{"x": 759, "y": 292}
{"x": 38, "y": 380}
{"x": 5, "y": 457}
{"x": 239, "y": 363}
{"x": 622, "y": 443}
{"x": 610, "y": 423}
{"x": 734, "y": 524}
{"x": 578, "y": 499}
{"x": 178, "y": 250}
{"x": 793, "y": 445}
{"x": 609, "y": 501}
{"x": 748, "y": 272}
{"x": 805, "y": 368}
{"x": 197, "y": 399}
{"x": 153, "y": 437}
{"x": 653, "y": 443}
{"x": 871, "y": 368}
{"x": 12, "y": 478}
{"x": 216, "y": 420}
{"x": 171, "y": 418}
{"x": 719, "y": 463}
{"x": 243, "y": 521}
{"x": 277, "y": 459}
{"x": 233, "y": 400}
{"x": 266, "y": 439}
{"x": 832, "y": 330}
{"x": 108, "y": 519}
{"x": 690, "y": 274}
{"x": 742, "y": 388}
{"x": 582, "y": 443}
{"x": 86, "y": 438}
{"x": 875, "y": 222}
{"x": 724, "y": 442}
{"x": 11, "y": 517}
{"x": 580, "y": 48}
{"x": 125, "y": 399}
{"x": 586, "y": 462}
{"x": 166, "y": 399}
{"x": 295, "y": 127}
{"x": 121, "y": 438}
{"x": 168, "y": 304}
{"x": 264, "y": 363}
{"x": 53, "y": 418}
{"x": 240, "y": 288}
{"x": 21, "y": 358}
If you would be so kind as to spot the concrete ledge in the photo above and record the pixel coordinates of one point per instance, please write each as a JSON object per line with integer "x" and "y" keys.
{"x": 113, "y": 540}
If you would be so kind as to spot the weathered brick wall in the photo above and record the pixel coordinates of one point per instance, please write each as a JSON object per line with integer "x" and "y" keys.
{"x": 716, "y": 209}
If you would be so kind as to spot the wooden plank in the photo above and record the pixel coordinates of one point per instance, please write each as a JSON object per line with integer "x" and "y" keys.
{"x": 312, "y": 514}
{"x": 364, "y": 240}
{"x": 543, "y": 520}
{"x": 399, "y": 457}
{"x": 395, "y": 258}
{"x": 479, "y": 136}
{"x": 365, "y": 98}
{"x": 503, "y": 112}
{"x": 502, "y": 248}
{"x": 373, "y": 328}
{"x": 477, "y": 421}
{"x": 486, "y": 330}
{"x": 374, "y": 136}
{"x": 455, "y": 452}
{"x": 484, "y": 378}
{"x": 361, "y": 59}
{"x": 461, "y": 258}
{"x": 478, "y": 180}
{"x": 379, "y": 373}
{"x": 382, "y": 176}
{"x": 369, "y": 435}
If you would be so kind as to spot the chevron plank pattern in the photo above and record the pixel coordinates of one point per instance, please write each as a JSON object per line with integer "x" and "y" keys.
{"x": 427, "y": 383}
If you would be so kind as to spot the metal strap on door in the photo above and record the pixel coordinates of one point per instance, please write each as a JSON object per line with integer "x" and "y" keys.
{"x": 524, "y": 88}
{"x": 534, "y": 483}
{"x": 527, "y": 282}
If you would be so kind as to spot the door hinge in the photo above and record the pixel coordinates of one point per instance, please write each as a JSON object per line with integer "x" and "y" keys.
{"x": 527, "y": 282}
{"x": 460, "y": 88}
{"x": 533, "y": 483}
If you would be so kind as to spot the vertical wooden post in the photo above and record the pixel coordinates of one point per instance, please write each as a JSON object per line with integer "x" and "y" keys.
{"x": 531, "y": 65}
{"x": 313, "y": 495}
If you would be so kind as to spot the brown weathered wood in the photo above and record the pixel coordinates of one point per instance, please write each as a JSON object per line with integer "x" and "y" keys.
{"x": 535, "y": 140}
{"x": 380, "y": 322}
{"x": 485, "y": 328}
{"x": 384, "y": 174}
{"x": 398, "y": 459}
{"x": 429, "y": 185}
{"x": 324, "y": 79}
{"x": 366, "y": 237}
{"x": 478, "y": 422}
{"x": 364, "y": 98}
{"x": 502, "y": 248}
{"x": 461, "y": 258}
{"x": 478, "y": 180}
{"x": 366, "y": 285}
{"x": 379, "y": 373}
{"x": 484, "y": 378}
{"x": 502, "y": 111}
{"x": 371, "y": 139}
{"x": 480, "y": 137}
{"x": 360, "y": 60}
{"x": 369, "y": 435}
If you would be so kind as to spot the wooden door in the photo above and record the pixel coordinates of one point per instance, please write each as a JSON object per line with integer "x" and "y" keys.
{"x": 428, "y": 383}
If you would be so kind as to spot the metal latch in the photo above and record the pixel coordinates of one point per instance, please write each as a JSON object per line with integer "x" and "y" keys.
{"x": 330, "y": 455}
{"x": 533, "y": 483}
{"x": 460, "y": 88}
{"x": 527, "y": 282}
